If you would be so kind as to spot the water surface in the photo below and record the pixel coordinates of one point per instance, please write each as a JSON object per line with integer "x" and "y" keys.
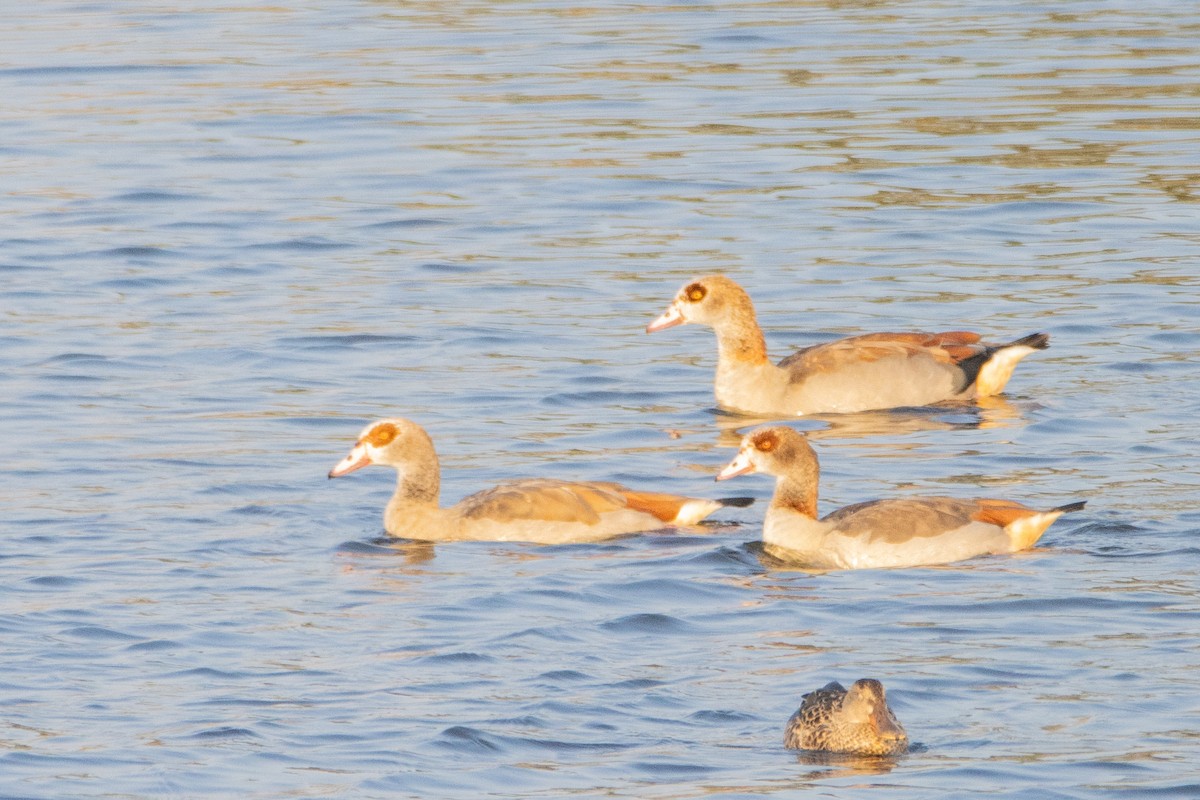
{"x": 230, "y": 236}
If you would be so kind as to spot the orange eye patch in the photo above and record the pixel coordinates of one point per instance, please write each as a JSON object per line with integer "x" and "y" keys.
{"x": 381, "y": 435}
{"x": 695, "y": 292}
{"x": 766, "y": 442}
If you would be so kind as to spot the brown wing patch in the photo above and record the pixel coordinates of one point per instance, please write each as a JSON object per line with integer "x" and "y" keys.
{"x": 1001, "y": 512}
{"x": 663, "y": 506}
{"x": 920, "y": 338}
{"x": 544, "y": 500}
{"x": 867, "y": 348}
{"x": 832, "y": 356}
{"x": 959, "y": 353}
{"x": 957, "y": 337}
{"x": 899, "y": 520}
{"x": 960, "y": 345}
{"x": 957, "y": 346}
{"x": 951, "y": 347}
{"x": 909, "y": 339}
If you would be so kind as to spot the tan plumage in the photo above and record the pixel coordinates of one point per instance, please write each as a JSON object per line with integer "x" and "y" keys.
{"x": 902, "y": 532}
{"x": 857, "y": 722}
{"x": 857, "y": 373}
{"x": 538, "y": 510}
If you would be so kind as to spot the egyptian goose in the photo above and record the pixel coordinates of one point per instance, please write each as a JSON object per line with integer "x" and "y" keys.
{"x": 859, "y": 373}
{"x": 537, "y": 510}
{"x": 857, "y": 722}
{"x": 904, "y": 532}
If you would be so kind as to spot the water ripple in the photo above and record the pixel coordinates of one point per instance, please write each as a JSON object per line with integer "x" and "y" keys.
{"x": 658, "y": 624}
{"x": 227, "y": 252}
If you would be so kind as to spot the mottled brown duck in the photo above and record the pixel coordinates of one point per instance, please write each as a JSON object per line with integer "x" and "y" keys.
{"x": 857, "y": 721}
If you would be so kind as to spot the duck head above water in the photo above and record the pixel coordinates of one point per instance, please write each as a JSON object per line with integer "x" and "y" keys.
{"x": 784, "y": 453}
{"x": 711, "y": 300}
{"x": 397, "y": 443}
{"x": 865, "y": 703}
{"x": 774, "y": 450}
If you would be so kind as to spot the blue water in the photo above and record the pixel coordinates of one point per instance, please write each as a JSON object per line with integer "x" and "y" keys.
{"x": 231, "y": 235}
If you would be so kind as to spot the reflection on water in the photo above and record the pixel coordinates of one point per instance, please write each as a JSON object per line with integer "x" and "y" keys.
{"x": 844, "y": 765}
{"x": 985, "y": 412}
{"x": 232, "y": 235}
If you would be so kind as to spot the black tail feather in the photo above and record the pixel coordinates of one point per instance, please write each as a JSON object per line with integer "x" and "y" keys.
{"x": 736, "y": 502}
{"x": 972, "y": 365}
{"x": 1038, "y": 341}
{"x": 1069, "y": 507}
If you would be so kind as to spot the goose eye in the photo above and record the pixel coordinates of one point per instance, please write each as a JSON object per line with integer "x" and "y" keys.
{"x": 766, "y": 444}
{"x": 695, "y": 292}
{"x": 381, "y": 435}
